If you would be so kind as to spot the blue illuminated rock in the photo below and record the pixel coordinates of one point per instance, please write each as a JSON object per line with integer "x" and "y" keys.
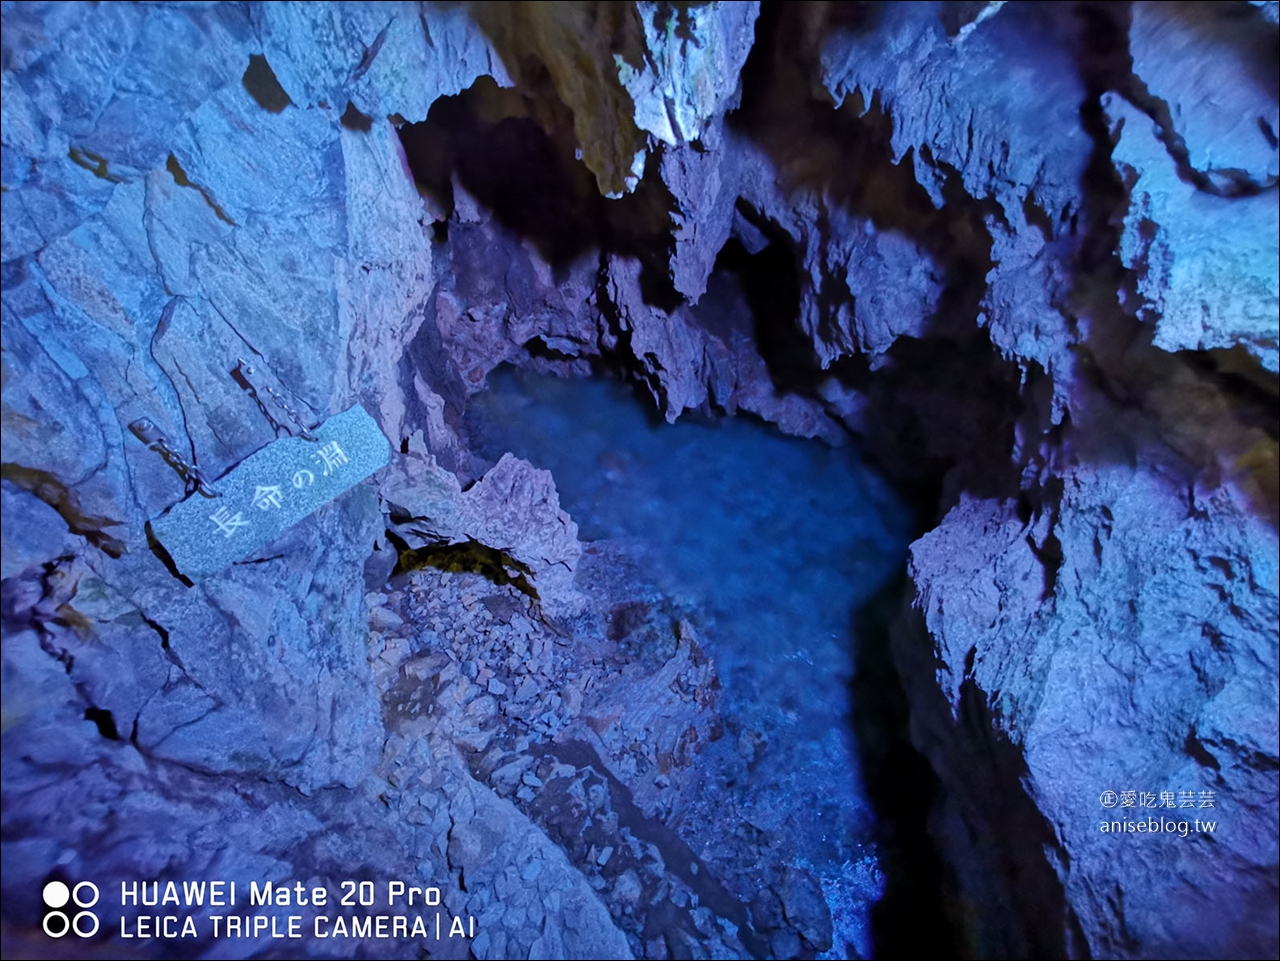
{"x": 1025, "y": 252}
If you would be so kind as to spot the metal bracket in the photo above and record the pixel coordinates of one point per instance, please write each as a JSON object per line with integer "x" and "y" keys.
{"x": 244, "y": 373}
{"x": 154, "y": 437}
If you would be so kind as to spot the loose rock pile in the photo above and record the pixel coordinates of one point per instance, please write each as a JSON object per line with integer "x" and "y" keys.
{"x": 583, "y": 734}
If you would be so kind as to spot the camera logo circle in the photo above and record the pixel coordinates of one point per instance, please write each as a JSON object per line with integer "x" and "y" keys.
{"x": 57, "y": 896}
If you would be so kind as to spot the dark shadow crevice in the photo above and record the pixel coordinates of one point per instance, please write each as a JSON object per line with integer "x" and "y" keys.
{"x": 261, "y": 83}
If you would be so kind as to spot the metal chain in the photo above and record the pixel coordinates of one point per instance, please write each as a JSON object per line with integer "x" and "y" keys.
{"x": 247, "y": 371}
{"x": 154, "y": 438}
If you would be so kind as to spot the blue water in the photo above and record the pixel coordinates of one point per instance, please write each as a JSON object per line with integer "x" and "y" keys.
{"x": 776, "y": 540}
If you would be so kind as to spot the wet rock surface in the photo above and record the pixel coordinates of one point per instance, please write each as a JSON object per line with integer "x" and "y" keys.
{"x": 1023, "y": 255}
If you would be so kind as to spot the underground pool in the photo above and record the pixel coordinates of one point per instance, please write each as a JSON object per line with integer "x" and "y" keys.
{"x": 775, "y": 542}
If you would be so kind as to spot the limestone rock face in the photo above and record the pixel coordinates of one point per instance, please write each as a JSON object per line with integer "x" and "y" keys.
{"x": 1198, "y": 153}
{"x": 1025, "y": 253}
{"x": 632, "y": 74}
{"x": 1127, "y": 677}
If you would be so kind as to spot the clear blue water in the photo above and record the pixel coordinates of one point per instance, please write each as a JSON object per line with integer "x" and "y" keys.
{"x": 776, "y": 540}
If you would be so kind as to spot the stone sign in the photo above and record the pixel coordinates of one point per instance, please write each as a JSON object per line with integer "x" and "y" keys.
{"x": 270, "y": 491}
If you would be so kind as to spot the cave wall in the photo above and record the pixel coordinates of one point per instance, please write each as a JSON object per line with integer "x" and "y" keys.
{"x": 1025, "y": 252}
